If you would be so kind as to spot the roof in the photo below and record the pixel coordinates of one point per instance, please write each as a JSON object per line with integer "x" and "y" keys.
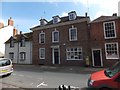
{"x": 104, "y": 18}
{"x": 17, "y": 38}
{"x": 63, "y": 19}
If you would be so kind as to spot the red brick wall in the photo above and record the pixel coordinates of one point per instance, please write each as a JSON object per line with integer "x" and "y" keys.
{"x": 82, "y": 32}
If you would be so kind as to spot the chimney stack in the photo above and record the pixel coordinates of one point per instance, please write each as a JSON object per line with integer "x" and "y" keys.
{"x": 1, "y": 25}
{"x": 20, "y": 32}
{"x": 10, "y": 22}
{"x": 15, "y": 31}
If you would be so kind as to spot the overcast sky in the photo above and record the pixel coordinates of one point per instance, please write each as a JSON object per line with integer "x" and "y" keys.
{"x": 27, "y": 13}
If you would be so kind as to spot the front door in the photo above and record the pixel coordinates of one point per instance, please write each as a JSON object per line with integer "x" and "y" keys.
{"x": 97, "y": 58}
{"x": 56, "y": 56}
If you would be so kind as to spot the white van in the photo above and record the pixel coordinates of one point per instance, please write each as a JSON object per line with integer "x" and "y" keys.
{"x": 6, "y": 67}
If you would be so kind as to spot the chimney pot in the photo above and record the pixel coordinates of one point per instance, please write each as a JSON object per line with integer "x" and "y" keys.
{"x": 10, "y": 22}
{"x": 15, "y": 31}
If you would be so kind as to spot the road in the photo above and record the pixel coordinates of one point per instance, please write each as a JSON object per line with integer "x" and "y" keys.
{"x": 35, "y": 77}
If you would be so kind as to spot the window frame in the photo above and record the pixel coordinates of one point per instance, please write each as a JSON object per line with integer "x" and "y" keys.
{"x": 53, "y": 36}
{"x": 70, "y": 36}
{"x": 12, "y": 42}
{"x": 111, "y": 51}
{"x": 22, "y": 42}
{"x": 23, "y": 55}
{"x": 40, "y": 39}
{"x": 40, "y": 57}
{"x": 72, "y": 16}
{"x": 73, "y": 52}
{"x": 11, "y": 55}
{"x": 109, "y": 30}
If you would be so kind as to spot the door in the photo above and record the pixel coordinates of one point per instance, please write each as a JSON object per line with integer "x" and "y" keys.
{"x": 56, "y": 56}
{"x": 97, "y": 58}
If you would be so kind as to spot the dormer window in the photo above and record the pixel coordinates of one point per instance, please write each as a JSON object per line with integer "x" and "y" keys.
{"x": 56, "y": 19}
{"x": 72, "y": 15}
{"x": 43, "y": 22}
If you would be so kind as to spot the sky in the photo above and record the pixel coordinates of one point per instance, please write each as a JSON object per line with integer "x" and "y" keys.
{"x": 27, "y": 13}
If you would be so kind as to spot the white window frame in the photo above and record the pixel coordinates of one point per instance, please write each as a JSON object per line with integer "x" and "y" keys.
{"x": 72, "y": 16}
{"x": 22, "y": 55}
{"x": 105, "y": 30}
{"x": 70, "y": 38}
{"x": 40, "y": 55}
{"x": 11, "y": 55}
{"x": 53, "y": 37}
{"x": 73, "y": 52}
{"x": 113, "y": 50}
{"x": 40, "y": 40}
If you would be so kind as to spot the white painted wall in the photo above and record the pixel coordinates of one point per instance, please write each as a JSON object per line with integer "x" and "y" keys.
{"x": 27, "y": 49}
{"x": 119, "y": 8}
{"x": 5, "y": 34}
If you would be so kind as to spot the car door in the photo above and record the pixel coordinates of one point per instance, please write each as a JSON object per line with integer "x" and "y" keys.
{"x": 117, "y": 80}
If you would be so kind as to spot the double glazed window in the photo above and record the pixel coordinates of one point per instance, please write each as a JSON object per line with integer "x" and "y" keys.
{"x": 42, "y": 38}
{"x": 55, "y": 36}
{"x": 109, "y": 30}
{"x": 111, "y": 50}
{"x": 42, "y": 53}
{"x": 74, "y": 53}
{"x": 12, "y": 42}
{"x": 73, "y": 34}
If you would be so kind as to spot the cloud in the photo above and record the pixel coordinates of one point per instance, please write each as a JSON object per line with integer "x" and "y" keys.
{"x": 64, "y": 14}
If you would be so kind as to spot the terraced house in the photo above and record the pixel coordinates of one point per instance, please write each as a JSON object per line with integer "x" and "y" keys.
{"x": 61, "y": 41}
{"x": 105, "y": 40}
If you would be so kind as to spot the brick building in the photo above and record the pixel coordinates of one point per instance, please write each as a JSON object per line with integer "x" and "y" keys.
{"x": 105, "y": 40}
{"x": 61, "y": 41}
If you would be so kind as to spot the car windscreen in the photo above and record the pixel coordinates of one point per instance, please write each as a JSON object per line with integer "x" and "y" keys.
{"x": 113, "y": 70}
{"x": 4, "y": 62}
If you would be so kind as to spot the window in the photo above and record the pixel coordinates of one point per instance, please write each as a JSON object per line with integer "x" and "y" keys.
{"x": 42, "y": 38}
{"x": 55, "y": 36}
{"x": 22, "y": 55}
{"x": 11, "y": 55}
{"x": 74, "y": 53}
{"x": 42, "y": 53}
{"x": 109, "y": 30}
{"x": 111, "y": 50}
{"x": 56, "y": 19}
{"x": 72, "y": 16}
{"x": 12, "y": 42}
{"x": 73, "y": 34}
{"x": 22, "y": 43}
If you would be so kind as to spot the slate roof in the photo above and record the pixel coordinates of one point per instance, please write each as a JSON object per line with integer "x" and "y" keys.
{"x": 104, "y": 18}
{"x": 17, "y": 38}
{"x": 63, "y": 19}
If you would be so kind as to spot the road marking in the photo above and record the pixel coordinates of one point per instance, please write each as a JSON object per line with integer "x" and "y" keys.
{"x": 42, "y": 84}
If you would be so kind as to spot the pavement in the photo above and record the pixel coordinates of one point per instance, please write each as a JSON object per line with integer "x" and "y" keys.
{"x": 64, "y": 69}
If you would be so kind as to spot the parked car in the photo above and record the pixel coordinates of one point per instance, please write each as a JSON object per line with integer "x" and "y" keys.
{"x": 106, "y": 79}
{"x": 6, "y": 67}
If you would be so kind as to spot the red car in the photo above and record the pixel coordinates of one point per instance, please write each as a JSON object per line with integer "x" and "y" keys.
{"x": 108, "y": 79}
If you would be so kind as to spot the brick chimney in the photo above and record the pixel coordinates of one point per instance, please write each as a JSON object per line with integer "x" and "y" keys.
{"x": 1, "y": 25}
{"x": 10, "y": 22}
{"x": 15, "y": 31}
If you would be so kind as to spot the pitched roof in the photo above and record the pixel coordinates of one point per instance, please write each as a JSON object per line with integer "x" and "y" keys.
{"x": 17, "y": 38}
{"x": 63, "y": 19}
{"x": 104, "y": 18}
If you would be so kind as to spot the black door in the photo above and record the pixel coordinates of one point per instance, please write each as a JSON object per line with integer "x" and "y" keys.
{"x": 56, "y": 56}
{"x": 97, "y": 58}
